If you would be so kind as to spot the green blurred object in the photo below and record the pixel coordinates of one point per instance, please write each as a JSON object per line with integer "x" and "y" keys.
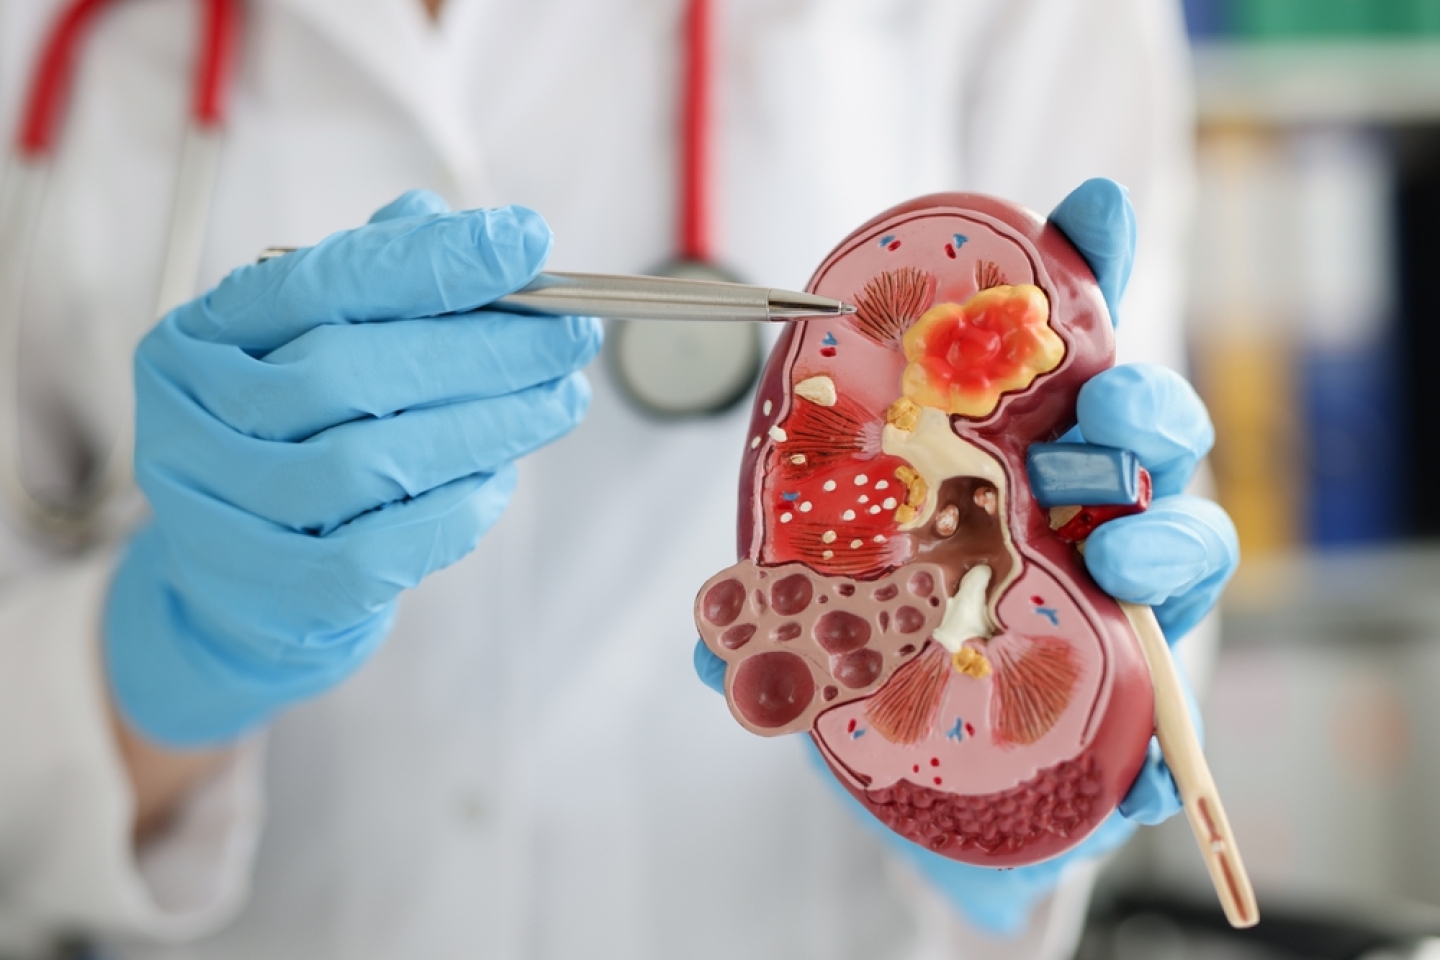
{"x": 1282, "y": 19}
{"x": 1331, "y": 19}
{"x": 1424, "y": 16}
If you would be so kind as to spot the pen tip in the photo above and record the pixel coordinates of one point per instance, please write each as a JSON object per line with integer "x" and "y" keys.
{"x": 846, "y": 309}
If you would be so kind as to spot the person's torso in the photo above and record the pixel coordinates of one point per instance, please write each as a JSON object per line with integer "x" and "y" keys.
{"x": 529, "y": 767}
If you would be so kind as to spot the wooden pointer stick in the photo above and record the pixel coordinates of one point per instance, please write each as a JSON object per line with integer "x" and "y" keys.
{"x": 1114, "y": 484}
{"x": 1181, "y": 746}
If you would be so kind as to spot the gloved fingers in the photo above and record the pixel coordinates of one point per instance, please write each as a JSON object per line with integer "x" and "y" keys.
{"x": 169, "y": 690}
{"x": 402, "y": 543}
{"x": 411, "y": 203}
{"x": 336, "y": 374}
{"x": 356, "y": 467}
{"x": 1179, "y": 615}
{"x": 1098, "y": 219}
{"x": 1175, "y": 557}
{"x": 710, "y": 668}
{"x": 1153, "y": 412}
{"x": 1153, "y": 797}
{"x": 217, "y": 618}
{"x": 390, "y": 270}
{"x": 275, "y": 593}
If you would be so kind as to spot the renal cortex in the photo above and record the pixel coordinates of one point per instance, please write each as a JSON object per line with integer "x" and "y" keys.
{"x": 900, "y": 594}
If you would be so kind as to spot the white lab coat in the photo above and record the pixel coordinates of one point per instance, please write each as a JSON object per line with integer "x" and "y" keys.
{"x": 529, "y": 767}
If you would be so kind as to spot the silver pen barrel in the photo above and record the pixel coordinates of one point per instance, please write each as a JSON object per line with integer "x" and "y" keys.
{"x": 622, "y": 297}
{"x": 662, "y": 298}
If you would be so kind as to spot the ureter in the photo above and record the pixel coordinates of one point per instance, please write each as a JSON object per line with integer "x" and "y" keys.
{"x": 967, "y": 614}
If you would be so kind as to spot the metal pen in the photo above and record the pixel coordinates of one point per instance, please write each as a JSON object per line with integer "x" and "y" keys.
{"x": 663, "y": 298}
{"x": 621, "y": 297}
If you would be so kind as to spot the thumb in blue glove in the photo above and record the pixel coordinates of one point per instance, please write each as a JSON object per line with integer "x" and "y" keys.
{"x": 315, "y": 435}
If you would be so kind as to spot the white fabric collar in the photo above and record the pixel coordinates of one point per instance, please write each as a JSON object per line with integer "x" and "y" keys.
{"x": 416, "y": 63}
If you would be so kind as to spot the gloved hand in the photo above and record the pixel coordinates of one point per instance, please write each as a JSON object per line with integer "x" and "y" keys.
{"x": 315, "y": 435}
{"x": 1176, "y": 557}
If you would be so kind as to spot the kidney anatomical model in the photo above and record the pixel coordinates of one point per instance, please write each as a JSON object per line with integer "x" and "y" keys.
{"x": 900, "y": 595}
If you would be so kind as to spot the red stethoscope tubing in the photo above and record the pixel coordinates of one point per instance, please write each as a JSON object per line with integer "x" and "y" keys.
{"x": 676, "y": 371}
{"x": 50, "y": 87}
{"x": 42, "y": 119}
{"x": 43, "y": 115}
{"x": 696, "y": 106}
{"x": 44, "y": 111}
{"x": 103, "y": 510}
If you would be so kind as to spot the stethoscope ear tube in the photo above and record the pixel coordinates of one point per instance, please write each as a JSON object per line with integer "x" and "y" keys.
{"x": 110, "y": 503}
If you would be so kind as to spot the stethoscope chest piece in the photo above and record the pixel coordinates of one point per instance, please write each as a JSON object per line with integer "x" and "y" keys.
{"x": 674, "y": 370}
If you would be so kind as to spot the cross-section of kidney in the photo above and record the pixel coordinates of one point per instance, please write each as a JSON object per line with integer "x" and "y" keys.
{"x": 900, "y": 596}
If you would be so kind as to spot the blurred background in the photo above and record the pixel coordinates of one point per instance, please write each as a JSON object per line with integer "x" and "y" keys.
{"x": 1315, "y": 315}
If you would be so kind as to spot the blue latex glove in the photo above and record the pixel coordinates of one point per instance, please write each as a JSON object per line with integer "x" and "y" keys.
{"x": 1179, "y": 554}
{"x": 315, "y": 435}
{"x": 1176, "y": 557}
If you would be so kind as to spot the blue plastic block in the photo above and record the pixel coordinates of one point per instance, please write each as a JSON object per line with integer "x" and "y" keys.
{"x": 1082, "y": 474}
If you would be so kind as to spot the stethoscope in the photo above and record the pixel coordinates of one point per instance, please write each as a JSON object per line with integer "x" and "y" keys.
{"x": 669, "y": 371}
{"x": 673, "y": 370}
{"x": 109, "y": 501}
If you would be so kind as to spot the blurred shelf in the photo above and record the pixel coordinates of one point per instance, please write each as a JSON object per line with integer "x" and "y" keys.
{"x": 1390, "y": 593}
{"x": 1318, "y": 81}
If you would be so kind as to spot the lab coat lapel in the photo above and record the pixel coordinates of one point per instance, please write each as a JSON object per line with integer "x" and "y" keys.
{"x": 413, "y": 64}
